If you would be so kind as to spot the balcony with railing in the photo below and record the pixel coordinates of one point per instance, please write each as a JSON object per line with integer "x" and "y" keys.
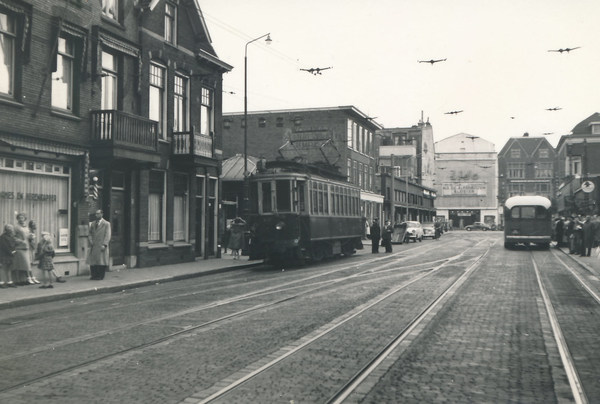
{"x": 116, "y": 134}
{"x": 192, "y": 147}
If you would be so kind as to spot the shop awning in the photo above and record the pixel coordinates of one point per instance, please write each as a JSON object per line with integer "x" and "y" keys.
{"x": 41, "y": 145}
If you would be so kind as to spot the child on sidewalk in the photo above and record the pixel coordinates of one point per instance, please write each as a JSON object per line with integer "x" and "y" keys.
{"x": 7, "y": 251}
{"x": 45, "y": 254}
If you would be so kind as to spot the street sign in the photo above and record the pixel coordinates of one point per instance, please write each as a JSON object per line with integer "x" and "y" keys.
{"x": 587, "y": 186}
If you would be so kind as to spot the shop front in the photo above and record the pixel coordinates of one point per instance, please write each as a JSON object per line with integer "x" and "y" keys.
{"x": 42, "y": 190}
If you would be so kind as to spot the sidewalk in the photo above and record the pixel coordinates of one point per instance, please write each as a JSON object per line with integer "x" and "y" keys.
{"x": 591, "y": 263}
{"x": 117, "y": 280}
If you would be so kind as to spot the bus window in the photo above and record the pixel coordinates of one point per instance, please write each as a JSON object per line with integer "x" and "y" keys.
{"x": 253, "y": 197}
{"x": 540, "y": 212}
{"x": 267, "y": 206}
{"x": 283, "y": 196}
{"x": 527, "y": 212}
{"x": 301, "y": 201}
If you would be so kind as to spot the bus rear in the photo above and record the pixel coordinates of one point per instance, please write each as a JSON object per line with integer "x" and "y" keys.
{"x": 528, "y": 220}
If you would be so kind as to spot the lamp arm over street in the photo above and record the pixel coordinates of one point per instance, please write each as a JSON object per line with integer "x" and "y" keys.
{"x": 246, "y": 173}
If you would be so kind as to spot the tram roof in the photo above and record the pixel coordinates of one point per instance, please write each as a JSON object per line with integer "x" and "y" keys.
{"x": 531, "y": 200}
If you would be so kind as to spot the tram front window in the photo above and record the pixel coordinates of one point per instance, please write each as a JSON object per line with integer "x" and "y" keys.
{"x": 253, "y": 197}
{"x": 267, "y": 206}
{"x": 283, "y": 195}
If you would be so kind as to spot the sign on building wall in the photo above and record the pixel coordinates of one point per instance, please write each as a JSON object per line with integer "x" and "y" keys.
{"x": 464, "y": 189}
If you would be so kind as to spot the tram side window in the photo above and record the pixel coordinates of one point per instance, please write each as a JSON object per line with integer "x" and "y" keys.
{"x": 301, "y": 201}
{"x": 346, "y": 210}
{"x": 320, "y": 198}
{"x": 283, "y": 195}
{"x": 315, "y": 199}
{"x": 267, "y": 205}
{"x": 334, "y": 210}
{"x": 326, "y": 198}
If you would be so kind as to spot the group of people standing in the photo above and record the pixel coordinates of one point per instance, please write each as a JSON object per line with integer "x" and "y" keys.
{"x": 19, "y": 251}
{"x": 579, "y": 233}
{"x": 384, "y": 234}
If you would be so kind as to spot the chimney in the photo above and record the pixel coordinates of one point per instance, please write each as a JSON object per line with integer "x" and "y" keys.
{"x": 526, "y": 134}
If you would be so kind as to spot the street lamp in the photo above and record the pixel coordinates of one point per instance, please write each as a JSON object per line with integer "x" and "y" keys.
{"x": 246, "y": 173}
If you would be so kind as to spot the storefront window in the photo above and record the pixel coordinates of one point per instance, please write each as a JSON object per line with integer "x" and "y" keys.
{"x": 41, "y": 192}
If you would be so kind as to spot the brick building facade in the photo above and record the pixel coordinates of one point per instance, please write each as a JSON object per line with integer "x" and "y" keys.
{"x": 578, "y": 164}
{"x": 128, "y": 93}
{"x": 527, "y": 166}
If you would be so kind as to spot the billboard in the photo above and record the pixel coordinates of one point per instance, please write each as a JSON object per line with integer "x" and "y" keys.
{"x": 464, "y": 189}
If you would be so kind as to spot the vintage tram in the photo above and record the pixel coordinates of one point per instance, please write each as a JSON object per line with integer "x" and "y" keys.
{"x": 527, "y": 220}
{"x": 300, "y": 212}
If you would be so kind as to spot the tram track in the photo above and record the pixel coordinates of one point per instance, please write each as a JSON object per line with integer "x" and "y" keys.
{"x": 583, "y": 301}
{"x": 29, "y": 320}
{"x": 211, "y": 396}
{"x": 312, "y": 288}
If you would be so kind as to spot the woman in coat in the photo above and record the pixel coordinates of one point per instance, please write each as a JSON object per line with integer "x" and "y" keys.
{"x": 236, "y": 237}
{"x": 22, "y": 258}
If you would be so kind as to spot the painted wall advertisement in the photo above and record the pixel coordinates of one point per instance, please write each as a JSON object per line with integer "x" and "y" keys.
{"x": 464, "y": 189}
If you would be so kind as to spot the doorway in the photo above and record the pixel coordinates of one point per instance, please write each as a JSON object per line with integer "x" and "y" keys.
{"x": 117, "y": 250}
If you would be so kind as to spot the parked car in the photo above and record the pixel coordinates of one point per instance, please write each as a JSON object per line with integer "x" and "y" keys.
{"x": 414, "y": 231}
{"x": 428, "y": 230}
{"x": 478, "y": 226}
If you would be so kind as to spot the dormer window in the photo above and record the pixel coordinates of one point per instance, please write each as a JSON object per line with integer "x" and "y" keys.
{"x": 595, "y": 128}
{"x": 170, "y": 22}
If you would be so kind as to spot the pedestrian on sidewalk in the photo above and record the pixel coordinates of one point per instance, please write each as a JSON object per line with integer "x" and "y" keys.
{"x": 437, "y": 229}
{"x": 7, "y": 252}
{"x": 236, "y": 237}
{"x": 560, "y": 232}
{"x": 386, "y": 237}
{"x": 22, "y": 262}
{"x": 33, "y": 228}
{"x": 375, "y": 236}
{"x": 588, "y": 237}
{"x": 45, "y": 255}
{"x": 99, "y": 254}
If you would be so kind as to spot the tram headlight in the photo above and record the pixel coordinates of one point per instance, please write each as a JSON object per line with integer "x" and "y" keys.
{"x": 280, "y": 225}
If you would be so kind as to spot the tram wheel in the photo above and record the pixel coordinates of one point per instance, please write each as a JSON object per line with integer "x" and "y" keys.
{"x": 347, "y": 249}
{"x": 317, "y": 253}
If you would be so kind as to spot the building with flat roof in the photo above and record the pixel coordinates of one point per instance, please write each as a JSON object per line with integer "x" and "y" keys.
{"x": 466, "y": 180}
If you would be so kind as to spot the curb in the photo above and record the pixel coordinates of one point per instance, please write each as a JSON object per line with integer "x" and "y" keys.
{"x": 119, "y": 288}
{"x": 586, "y": 266}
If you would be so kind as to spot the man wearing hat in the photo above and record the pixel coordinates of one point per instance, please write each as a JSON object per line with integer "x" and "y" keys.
{"x": 375, "y": 236}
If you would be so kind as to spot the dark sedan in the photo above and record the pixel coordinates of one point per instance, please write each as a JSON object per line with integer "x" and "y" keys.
{"x": 478, "y": 226}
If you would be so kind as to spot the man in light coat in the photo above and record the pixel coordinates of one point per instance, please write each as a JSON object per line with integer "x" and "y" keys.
{"x": 99, "y": 238}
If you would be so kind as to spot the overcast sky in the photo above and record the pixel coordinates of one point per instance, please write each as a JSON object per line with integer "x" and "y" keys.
{"x": 498, "y": 68}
